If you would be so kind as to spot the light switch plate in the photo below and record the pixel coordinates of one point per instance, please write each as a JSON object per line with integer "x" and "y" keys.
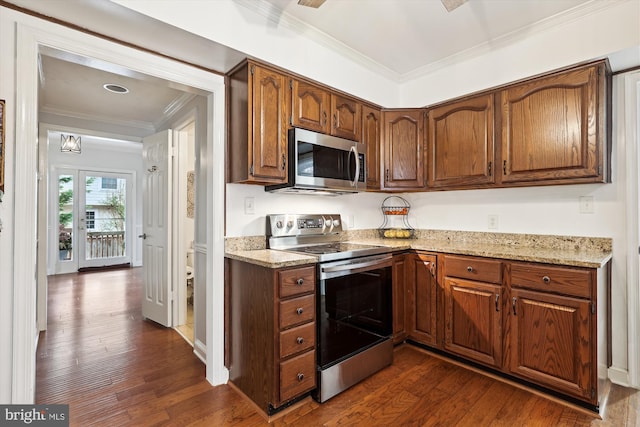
{"x": 492, "y": 222}
{"x": 249, "y": 205}
{"x": 586, "y": 204}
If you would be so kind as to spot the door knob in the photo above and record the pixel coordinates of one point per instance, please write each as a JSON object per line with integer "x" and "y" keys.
{"x": 143, "y": 236}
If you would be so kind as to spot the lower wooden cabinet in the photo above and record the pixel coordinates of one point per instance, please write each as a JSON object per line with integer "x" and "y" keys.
{"x": 553, "y": 328}
{"x": 544, "y": 324}
{"x": 271, "y": 336}
{"x": 473, "y": 320}
{"x": 421, "y": 284}
{"x": 399, "y": 273}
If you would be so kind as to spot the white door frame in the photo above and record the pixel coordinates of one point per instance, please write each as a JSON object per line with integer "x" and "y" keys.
{"x": 631, "y": 128}
{"x": 29, "y": 40}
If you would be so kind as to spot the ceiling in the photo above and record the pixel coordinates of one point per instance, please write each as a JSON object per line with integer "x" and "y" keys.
{"x": 400, "y": 38}
{"x": 408, "y": 36}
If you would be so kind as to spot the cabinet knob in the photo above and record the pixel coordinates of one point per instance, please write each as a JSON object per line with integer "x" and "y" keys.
{"x": 546, "y": 279}
{"x": 300, "y": 376}
{"x": 300, "y": 340}
{"x": 469, "y": 269}
{"x": 299, "y": 310}
{"x": 299, "y": 282}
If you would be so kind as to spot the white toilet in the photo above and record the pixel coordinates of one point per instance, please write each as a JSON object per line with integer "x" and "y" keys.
{"x": 189, "y": 270}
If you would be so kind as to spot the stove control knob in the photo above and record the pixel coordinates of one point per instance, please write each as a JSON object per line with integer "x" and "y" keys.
{"x": 289, "y": 224}
{"x": 279, "y": 224}
{"x": 336, "y": 222}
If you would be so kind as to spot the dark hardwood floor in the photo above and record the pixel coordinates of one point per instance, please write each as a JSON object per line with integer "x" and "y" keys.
{"x": 115, "y": 369}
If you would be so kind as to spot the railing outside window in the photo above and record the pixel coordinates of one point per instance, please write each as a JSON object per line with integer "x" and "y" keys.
{"x": 105, "y": 244}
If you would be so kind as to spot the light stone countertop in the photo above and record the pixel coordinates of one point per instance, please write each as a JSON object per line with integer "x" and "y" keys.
{"x": 558, "y": 250}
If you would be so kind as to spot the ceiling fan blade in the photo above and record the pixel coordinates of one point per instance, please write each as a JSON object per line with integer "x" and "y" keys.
{"x": 452, "y": 4}
{"x": 311, "y": 3}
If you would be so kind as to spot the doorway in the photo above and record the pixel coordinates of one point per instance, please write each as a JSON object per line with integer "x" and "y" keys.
{"x": 31, "y": 41}
{"x": 92, "y": 220}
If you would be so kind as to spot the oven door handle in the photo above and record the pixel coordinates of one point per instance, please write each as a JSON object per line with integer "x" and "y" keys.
{"x": 357, "y": 266}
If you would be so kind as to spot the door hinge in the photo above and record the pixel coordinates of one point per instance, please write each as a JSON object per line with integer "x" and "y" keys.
{"x": 489, "y": 168}
{"x": 251, "y": 170}
{"x": 593, "y": 393}
{"x": 593, "y": 308}
{"x": 291, "y": 84}
{"x": 252, "y": 69}
{"x": 174, "y": 151}
{"x": 504, "y": 167}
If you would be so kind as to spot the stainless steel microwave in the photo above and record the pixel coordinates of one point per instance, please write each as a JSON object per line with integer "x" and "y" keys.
{"x": 323, "y": 164}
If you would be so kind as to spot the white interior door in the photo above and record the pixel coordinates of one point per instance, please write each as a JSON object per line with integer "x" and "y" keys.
{"x": 104, "y": 218}
{"x": 156, "y": 252}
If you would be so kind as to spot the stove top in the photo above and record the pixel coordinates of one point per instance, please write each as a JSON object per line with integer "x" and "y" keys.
{"x": 318, "y": 235}
{"x": 339, "y": 250}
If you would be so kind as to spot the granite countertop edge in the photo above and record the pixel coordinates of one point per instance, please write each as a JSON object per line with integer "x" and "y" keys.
{"x": 557, "y": 256}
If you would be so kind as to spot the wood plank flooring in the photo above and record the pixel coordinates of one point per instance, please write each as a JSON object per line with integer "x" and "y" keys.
{"x": 115, "y": 369}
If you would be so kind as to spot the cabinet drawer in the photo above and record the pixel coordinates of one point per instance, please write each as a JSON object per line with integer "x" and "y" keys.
{"x": 298, "y": 339}
{"x": 296, "y": 311}
{"x": 297, "y": 375}
{"x": 478, "y": 269}
{"x": 297, "y": 281}
{"x": 561, "y": 280}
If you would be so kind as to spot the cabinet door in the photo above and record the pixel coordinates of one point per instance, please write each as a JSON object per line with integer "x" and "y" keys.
{"x": 346, "y": 117}
{"x": 552, "y": 128}
{"x": 421, "y": 306}
{"x": 404, "y": 149}
{"x": 269, "y": 126}
{"x": 460, "y": 143}
{"x": 551, "y": 342}
{"x": 399, "y": 300}
{"x": 310, "y": 106}
{"x": 371, "y": 129}
{"x": 473, "y": 326}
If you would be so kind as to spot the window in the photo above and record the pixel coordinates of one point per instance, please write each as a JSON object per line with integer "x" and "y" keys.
{"x": 90, "y": 219}
{"x": 109, "y": 183}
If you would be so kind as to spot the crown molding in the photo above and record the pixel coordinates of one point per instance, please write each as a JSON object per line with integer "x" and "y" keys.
{"x": 73, "y": 114}
{"x": 285, "y": 20}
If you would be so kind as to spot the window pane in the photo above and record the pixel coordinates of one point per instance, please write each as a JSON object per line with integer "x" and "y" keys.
{"x": 65, "y": 217}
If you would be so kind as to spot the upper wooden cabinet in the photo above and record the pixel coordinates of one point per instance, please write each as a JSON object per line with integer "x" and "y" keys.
{"x": 403, "y": 146}
{"x": 554, "y": 128}
{"x": 258, "y": 110}
{"x": 320, "y": 110}
{"x": 310, "y": 106}
{"x": 460, "y": 143}
{"x": 371, "y": 137}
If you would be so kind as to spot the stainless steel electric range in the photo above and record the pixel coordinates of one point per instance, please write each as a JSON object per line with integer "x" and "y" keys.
{"x": 354, "y": 307}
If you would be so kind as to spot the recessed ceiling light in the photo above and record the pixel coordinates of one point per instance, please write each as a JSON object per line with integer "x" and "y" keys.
{"x": 112, "y": 87}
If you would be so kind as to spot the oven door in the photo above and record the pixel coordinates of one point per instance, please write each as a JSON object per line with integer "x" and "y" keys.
{"x": 354, "y": 307}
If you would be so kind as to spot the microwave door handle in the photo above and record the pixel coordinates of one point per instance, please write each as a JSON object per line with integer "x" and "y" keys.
{"x": 354, "y": 151}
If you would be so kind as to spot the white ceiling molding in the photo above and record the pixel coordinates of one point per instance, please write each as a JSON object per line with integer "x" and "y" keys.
{"x": 520, "y": 34}
{"x": 285, "y": 20}
{"x": 77, "y": 115}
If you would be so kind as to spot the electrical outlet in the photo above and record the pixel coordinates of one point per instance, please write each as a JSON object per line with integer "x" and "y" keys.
{"x": 492, "y": 222}
{"x": 586, "y": 204}
{"x": 249, "y": 205}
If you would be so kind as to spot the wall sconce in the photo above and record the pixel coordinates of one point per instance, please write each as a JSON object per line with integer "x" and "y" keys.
{"x": 70, "y": 144}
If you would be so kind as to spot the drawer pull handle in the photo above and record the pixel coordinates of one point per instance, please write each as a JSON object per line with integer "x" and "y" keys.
{"x": 299, "y": 340}
{"x": 300, "y": 376}
{"x": 546, "y": 279}
{"x": 469, "y": 269}
{"x": 299, "y": 310}
{"x": 299, "y": 282}
{"x": 497, "y": 302}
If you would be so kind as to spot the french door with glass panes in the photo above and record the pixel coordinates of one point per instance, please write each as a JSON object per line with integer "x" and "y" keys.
{"x": 94, "y": 219}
